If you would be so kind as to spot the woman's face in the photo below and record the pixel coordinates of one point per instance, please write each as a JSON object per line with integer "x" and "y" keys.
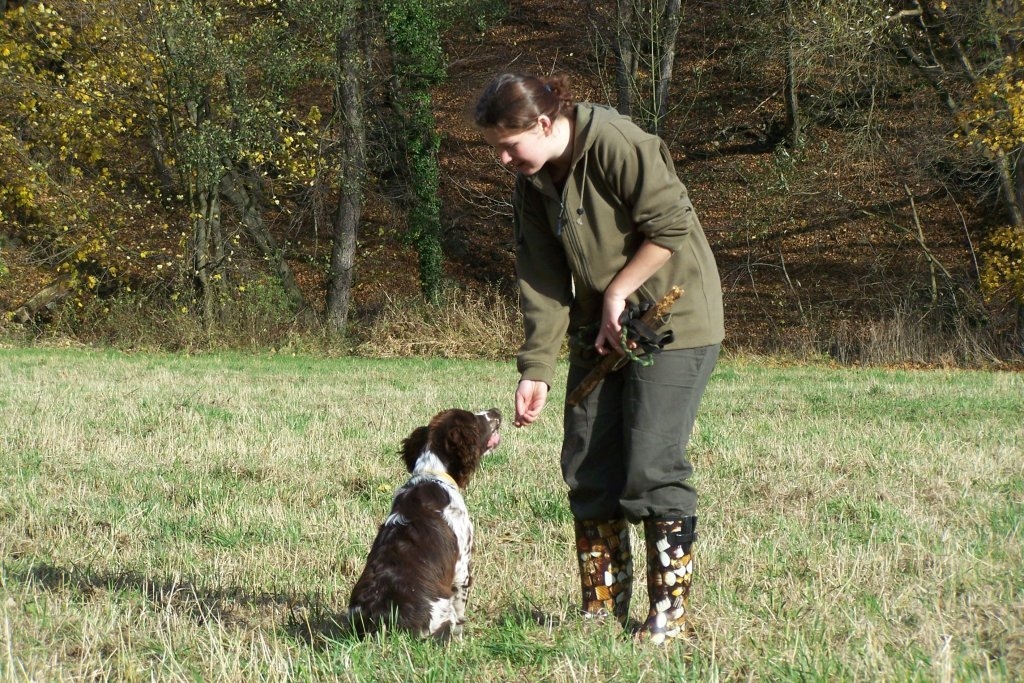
{"x": 526, "y": 151}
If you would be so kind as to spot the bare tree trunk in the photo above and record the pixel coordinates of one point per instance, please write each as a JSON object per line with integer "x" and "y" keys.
{"x": 206, "y": 244}
{"x": 1020, "y": 327}
{"x": 625, "y": 54}
{"x": 219, "y": 250}
{"x": 349, "y": 104}
{"x": 1020, "y": 202}
{"x": 670, "y": 30}
{"x": 206, "y": 253}
{"x": 1019, "y": 175}
{"x": 793, "y": 132}
{"x": 242, "y": 195}
{"x": 199, "y": 259}
{"x": 157, "y": 149}
{"x": 1010, "y": 187}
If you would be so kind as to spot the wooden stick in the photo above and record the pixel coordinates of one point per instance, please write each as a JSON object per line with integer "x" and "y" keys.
{"x": 594, "y": 377}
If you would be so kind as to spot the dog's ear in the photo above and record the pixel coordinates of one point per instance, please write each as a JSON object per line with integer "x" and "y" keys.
{"x": 462, "y": 445}
{"x": 413, "y": 446}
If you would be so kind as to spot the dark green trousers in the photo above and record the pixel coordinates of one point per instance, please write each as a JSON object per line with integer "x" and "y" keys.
{"x": 624, "y": 447}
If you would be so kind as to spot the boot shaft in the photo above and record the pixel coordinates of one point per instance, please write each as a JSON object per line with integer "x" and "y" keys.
{"x": 669, "y": 573}
{"x": 606, "y": 567}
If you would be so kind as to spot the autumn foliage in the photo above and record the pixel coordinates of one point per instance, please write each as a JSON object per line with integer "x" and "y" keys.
{"x": 994, "y": 118}
{"x": 184, "y": 156}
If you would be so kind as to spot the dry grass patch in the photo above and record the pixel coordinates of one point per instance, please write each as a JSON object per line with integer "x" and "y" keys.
{"x": 478, "y": 323}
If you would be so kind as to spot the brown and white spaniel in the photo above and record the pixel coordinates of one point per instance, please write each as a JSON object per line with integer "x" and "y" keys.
{"x": 418, "y": 573}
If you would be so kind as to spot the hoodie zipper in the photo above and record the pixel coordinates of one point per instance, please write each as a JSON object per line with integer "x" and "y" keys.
{"x": 571, "y": 237}
{"x": 562, "y": 217}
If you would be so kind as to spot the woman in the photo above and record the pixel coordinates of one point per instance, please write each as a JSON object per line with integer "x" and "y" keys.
{"x": 602, "y": 225}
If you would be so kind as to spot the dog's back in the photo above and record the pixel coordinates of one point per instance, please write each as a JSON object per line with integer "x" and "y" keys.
{"x": 418, "y": 573}
{"x": 410, "y": 572}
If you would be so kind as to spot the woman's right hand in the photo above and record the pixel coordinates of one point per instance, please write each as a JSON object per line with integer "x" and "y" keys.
{"x": 609, "y": 336}
{"x": 531, "y": 396}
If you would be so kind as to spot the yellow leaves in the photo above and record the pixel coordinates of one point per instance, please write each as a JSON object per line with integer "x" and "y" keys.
{"x": 994, "y": 116}
{"x": 89, "y": 92}
{"x": 1003, "y": 262}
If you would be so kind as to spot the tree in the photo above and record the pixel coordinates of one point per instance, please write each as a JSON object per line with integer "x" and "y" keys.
{"x": 128, "y": 107}
{"x": 413, "y": 29}
{"x": 351, "y": 171}
{"x": 223, "y": 124}
{"x": 66, "y": 148}
{"x": 642, "y": 36}
{"x": 337, "y": 38}
{"x": 834, "y": 64}
{"x": 969, "y": 52}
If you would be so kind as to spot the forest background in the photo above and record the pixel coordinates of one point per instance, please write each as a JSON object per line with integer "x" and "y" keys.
{"x": 305, "y": 173}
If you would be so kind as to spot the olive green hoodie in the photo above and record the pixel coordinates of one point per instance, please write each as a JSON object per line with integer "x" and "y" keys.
{"x": 622, "y": 187}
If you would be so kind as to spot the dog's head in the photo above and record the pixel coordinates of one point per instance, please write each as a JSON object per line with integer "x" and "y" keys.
{"x": 455, "y": 441}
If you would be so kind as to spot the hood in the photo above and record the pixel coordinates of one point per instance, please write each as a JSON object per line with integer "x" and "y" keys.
{"x": 589, "y": 119}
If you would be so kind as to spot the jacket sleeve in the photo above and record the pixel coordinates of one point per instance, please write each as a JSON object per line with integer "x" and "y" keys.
{"x": 645, "y": 177}
{"x": 545, "y": 287}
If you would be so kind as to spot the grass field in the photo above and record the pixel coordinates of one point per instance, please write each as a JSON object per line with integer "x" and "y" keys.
{"x": 202, "y": 518}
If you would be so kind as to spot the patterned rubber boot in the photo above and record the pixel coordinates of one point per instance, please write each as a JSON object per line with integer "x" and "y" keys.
{"x": 669, "y": 570}
{"x": 606, "y": 568}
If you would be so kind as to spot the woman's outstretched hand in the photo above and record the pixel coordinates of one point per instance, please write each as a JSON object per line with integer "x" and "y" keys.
{"x": 531, "y": 396}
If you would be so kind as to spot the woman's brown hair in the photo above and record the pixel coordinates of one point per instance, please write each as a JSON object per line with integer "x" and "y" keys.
{"x": 512, "y": 102}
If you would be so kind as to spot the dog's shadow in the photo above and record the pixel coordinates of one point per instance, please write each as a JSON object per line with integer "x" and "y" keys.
{"x": 320, "y": 627}
{"x": 304, "y": 617}
{"x": 310, "y": 619}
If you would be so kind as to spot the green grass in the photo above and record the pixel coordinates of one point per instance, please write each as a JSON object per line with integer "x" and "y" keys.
{"x": 178, "y": 517}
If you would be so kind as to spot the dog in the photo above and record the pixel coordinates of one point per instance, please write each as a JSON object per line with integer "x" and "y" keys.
{"x": 418, "y": 572}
